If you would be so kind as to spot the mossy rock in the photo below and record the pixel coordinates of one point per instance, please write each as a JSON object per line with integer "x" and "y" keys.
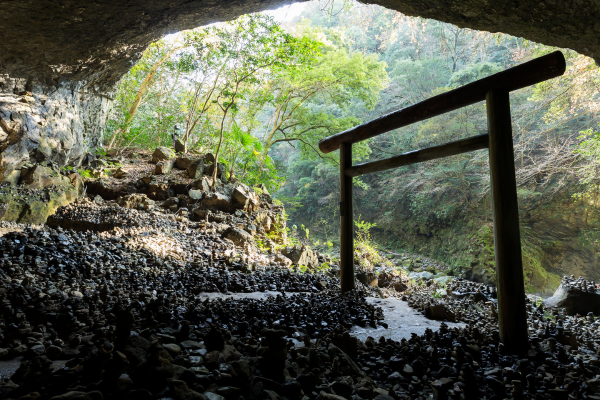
{"x": 27, "y": 207}
{"x": 484, "y": 274}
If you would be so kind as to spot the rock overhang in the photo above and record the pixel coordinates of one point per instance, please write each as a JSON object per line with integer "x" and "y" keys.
{"x": 97, "y": 42}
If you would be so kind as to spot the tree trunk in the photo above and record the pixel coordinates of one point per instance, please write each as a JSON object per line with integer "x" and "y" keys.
{"x": 140, "y": 95}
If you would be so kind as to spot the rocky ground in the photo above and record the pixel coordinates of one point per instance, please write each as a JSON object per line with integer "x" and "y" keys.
{"x": 114, "y": 287}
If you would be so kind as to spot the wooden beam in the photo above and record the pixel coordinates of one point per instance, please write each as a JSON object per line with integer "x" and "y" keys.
{"x": 512, "y": 314}
{"x": 418, "y": 156}
{"x": 346, "y": 221}
{"x": 527, "y": 74}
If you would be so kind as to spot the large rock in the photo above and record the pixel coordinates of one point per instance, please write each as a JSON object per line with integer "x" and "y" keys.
{"x": 104, "y": 188}
{"x": 161, "y": 154}
{"x": 179, "y": 146}
{"x": 159, "y": 191}
{"x": 24, "y": 206}
{"x": 14, "y": 177}
{"x": 209, "y": 158}
{"x": 196, "y": 169}
{"x": 238, "y": 236}
{"x": 183, "y": 162}
{"x": 368, "y": 278}
{"x": 38, "y": 177}
{"x": 58, "y": 123}
{"x": 301, "y": 255}
{"x": 163, "y": 167}
{"x": 196, "y": 194}
{"x": 418, "y": 275}
{"x": 216, "y": 202}
{"x": 208, "y": 170}
{"x": 574, "y": 300}
{"x": 264, "y": 219}
{"x": 77, "y": 182}
{"x": 138, "y": 201}
{"x": 171, "y": 203}
{"x": 202, "y": 184}
{"x": 98, "y": 164}
{"x": 243, "y": 198}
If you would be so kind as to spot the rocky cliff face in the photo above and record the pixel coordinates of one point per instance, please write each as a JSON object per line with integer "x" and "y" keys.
{"x": 47, "y": 124}
{"x": 568, "y": 232}
{"x": 559, "y": 236}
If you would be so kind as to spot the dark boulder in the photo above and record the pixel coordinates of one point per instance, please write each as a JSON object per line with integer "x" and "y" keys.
{"x": 575, "y": 300}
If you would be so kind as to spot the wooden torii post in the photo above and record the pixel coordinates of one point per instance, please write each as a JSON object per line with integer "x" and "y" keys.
{"x": 507, "y": 241}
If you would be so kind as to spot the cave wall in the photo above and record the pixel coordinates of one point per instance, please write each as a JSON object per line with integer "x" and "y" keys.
{"x": 573, "y": 24}
{"x": 69, "y": 55}
{"x": 47, "y": 124}
{"x": 97, "y": 42}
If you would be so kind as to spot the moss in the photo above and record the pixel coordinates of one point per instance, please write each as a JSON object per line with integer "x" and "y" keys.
{"x": 537, "y": 278}
{"x": 548, "y": 230}
{"x": 33, "y": 209}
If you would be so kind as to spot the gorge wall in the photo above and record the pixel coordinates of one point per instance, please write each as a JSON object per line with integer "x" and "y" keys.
{"x": 559, "y": 236}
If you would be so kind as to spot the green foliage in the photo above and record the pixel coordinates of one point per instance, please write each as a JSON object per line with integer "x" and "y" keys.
{"x": 442, "y": 208}
{"x": 474, "y": 72}
{"x": 226, "y": 83}
{"x": 323, "y": 267}
{"x": 85, "y": 173}
{"x": 302, "y": 269}
{"x": 100, "y": 152}
{"x": 366, "y": 251}
{"x": 589, "y": 150}
{"x": 310, "y": 100}
{"x": 363, "y": 233}
{"x": 264, "y": 97}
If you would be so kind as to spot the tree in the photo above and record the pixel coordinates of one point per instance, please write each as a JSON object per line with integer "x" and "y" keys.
{"x": 229, "y": 61}
{"x": 146, "y": 70}
{"x": 310, "y": 100}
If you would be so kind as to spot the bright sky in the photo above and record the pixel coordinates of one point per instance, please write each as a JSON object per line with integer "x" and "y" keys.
{"x": 282, "y": 14}
{"x": 286, "y": 13}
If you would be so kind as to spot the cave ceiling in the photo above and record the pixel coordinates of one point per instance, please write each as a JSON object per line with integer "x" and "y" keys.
{"x": 97, "y": 42}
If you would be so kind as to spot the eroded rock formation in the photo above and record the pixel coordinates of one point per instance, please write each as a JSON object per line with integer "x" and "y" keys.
{"x": 47, "y": 124}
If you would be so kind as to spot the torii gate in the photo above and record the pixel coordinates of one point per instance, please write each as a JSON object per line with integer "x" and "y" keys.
{"x": 507, "y": 241}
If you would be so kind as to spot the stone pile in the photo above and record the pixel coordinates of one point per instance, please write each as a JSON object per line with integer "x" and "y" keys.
{"x": 40, "y": 193}
{"x": 136, "y": 329}
{"x": 576, "y": 296}
{"x": 131, "y": 324}
{"x": 561, "y": 363}
{"x": 119, "y": 288}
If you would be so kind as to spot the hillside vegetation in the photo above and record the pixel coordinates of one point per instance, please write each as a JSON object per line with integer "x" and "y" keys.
{"x": 260, "y": 96}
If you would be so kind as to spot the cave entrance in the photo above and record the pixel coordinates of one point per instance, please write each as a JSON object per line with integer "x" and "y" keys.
{"x": 512, "y": 316}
